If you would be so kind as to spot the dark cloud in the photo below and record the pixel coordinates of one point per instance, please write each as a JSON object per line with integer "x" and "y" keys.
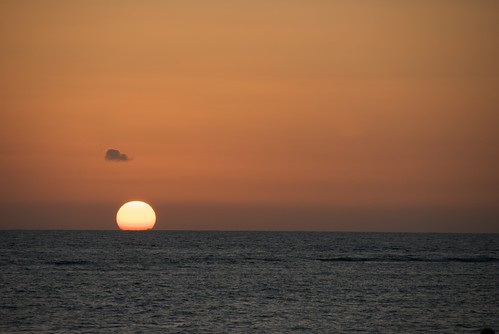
{"x": 115, "y": 155}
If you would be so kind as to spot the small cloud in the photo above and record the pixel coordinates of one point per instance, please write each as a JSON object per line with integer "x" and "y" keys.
{"x": 115, "y": 155}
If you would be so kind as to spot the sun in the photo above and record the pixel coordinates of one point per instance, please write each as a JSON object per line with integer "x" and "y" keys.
{"x": 136, "y": 216}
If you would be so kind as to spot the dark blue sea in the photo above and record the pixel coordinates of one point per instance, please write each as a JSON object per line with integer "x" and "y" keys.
{"x": 247, "y": 282}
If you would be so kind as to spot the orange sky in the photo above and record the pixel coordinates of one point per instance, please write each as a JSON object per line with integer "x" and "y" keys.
{"x": 385, "y": 107}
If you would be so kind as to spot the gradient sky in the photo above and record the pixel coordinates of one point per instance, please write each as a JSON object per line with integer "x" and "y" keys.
{"x": 240, "y": 115}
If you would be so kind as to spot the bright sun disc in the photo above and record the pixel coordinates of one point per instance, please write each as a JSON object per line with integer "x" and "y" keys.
{"x": 136, "y": 216}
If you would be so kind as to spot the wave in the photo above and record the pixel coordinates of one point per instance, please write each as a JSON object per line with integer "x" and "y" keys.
{"x": 477, "y": 259}
{"x": 70, "y": 263}
{"x": 264, "y": 259}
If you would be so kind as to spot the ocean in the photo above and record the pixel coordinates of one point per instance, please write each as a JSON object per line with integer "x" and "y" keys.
{"x": 247, "y": 282}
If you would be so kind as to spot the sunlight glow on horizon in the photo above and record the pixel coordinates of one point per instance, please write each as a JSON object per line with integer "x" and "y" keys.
{"x": 136, "y": 216}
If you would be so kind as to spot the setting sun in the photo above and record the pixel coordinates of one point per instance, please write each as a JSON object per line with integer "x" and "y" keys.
{"x": 136, "y": 215}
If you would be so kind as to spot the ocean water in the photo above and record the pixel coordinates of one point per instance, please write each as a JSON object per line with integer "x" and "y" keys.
{"x": 247, "y": 282}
